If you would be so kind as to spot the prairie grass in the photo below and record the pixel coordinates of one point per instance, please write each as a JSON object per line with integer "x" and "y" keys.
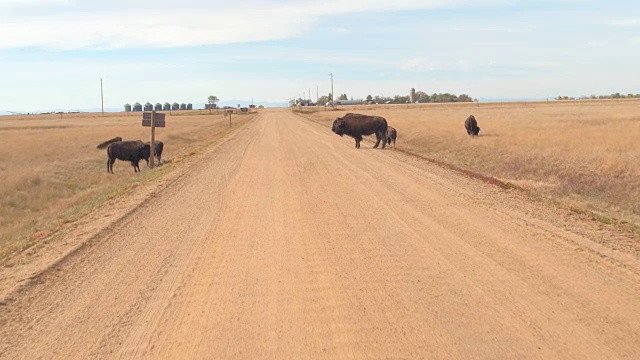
{"x": 52, "y": 173}
{"x": 584, "y": 154}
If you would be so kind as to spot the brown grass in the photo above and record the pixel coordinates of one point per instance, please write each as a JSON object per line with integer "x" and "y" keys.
{"x": 584, "y": 154}
{"x": 52, "y": 172}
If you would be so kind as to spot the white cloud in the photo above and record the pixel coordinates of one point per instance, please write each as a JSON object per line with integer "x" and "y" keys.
{"x": 424, "y": 64}
{"x": 178, "y": 23}
{"x": 30, "y": 3}
{"x": 624, "y": 22}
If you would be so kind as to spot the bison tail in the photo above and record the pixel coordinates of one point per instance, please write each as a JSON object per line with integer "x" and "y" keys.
{"x": 106, "y": 143}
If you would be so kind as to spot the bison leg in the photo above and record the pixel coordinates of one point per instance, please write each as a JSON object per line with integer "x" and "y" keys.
{"x": 358, "y": 139}
{"x": 110, "y": 165}
{"x": 379, "y": 136}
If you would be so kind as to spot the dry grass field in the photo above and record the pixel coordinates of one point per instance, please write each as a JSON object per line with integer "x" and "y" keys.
{"x": 52, "y": 172}
{"x": 582, "y": 154}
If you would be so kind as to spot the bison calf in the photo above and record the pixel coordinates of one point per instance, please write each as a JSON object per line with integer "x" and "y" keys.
{"x": 391, "y": 136}
{"x": 158, "y": 150}
{"x": 472, "y": 126}
{"x": 357, "y": 125}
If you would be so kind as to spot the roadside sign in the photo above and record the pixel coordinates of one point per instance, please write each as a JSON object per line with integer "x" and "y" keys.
{"x": 152, "y": 120}
{"x": 147, "y": 123}
{"x": 159, "y": 119}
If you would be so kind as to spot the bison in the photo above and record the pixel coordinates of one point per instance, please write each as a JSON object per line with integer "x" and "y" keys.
{"x": 158, "y": 150}
{"x": 131, "y": 151}
{"x": 472, "y": 126}
{"x": 357, "y": 125}
{"x": 106, "y": 143}
{"x": 391, "y": 136}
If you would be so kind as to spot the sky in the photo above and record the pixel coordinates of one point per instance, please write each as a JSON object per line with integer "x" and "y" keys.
{"x": 54, "y": 52}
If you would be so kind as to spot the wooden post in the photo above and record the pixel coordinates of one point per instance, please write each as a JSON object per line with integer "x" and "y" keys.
{"x": 152, "y": 151}
{"x": 230, "y": 119}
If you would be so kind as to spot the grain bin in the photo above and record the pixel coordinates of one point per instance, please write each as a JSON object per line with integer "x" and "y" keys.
{"x": 166, "y": 107}
{"x": 183, "y": 106}
{"x": 158, "y": 107}
{"x": 412, "y": 95}
{"x": 137, "y": 107}
{"x": 148, "y": 106}
{"x": 175, "y": 106}
{"x": 189, "y": 106}
{"x": 127, "y": 107}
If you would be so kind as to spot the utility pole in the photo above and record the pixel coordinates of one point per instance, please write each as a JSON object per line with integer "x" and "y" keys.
{"x": 317, "y": 94}
{"x": 332, "y": 94}
{"x": 101, "y": 97}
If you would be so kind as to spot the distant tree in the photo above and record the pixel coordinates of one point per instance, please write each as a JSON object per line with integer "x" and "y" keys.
{"x": 422, "y": 96}
{"x": 212, "y": 99}
{"x": 343, "y": 97}
{"x": 369, "y": 97}
{"x": 399, "y": 99}
{"x": 323, "y": 100}
{"x": 259, "y": 107}
{"x": 464, "y": 98}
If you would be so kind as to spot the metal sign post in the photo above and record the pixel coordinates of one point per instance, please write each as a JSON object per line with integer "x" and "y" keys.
{"x": 228, "y": 112}
{"x": 152, "y": 149}
{"x": 152, "y": 119}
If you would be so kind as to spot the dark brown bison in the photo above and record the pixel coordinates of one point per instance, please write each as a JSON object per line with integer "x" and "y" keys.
{"x": 472, "y": 126}
{"x": 391, "y": 136}
{"x": 357, "y": 125}
{"x": 131, "y": 151}
{"x": 158, "y": 150}
{"x": 106, "y": 143}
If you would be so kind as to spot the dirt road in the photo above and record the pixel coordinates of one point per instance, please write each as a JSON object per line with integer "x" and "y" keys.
{"x": 286, "y": 242}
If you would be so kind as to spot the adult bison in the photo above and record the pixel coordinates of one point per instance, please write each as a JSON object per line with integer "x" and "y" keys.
{"x": 158, "y": 150}
{"x": 472, "y": 126}
{"x": 391, "y": 136}
{"x": 131, "y": 151}
{"x": 357, "y": 125}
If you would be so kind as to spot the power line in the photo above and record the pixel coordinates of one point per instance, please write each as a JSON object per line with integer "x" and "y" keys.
{"x": 332, "y": 94}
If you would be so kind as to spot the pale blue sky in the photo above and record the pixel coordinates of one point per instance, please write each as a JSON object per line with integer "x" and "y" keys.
{"x": 53, "y": 52}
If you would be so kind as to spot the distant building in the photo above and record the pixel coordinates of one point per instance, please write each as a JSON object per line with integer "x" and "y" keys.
{"x": 148, "y": 107}
{"x": 158, "y": 107}
{"x": 412, "y": 95}
{"x": 189, "y": 106}
{"x": 210, "y": 106}
{"x": 137, "y": 107}
{"x": 166, "y": 107}
{"x": 127, "y": 107}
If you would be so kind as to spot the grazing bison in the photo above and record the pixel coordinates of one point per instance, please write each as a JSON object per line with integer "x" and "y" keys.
{"x": 357, "y": 125}
{"x": 472, "y": 126}
{"x": 158, "y": 150}
{"x": 131, "y": 151}
{"x": 106, "y": 143}
{"x": 391, "y": 136}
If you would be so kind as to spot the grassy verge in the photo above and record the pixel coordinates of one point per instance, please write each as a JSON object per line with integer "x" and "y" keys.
{"x": 580, "y": 156}
{"x": 66, "y": 178}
